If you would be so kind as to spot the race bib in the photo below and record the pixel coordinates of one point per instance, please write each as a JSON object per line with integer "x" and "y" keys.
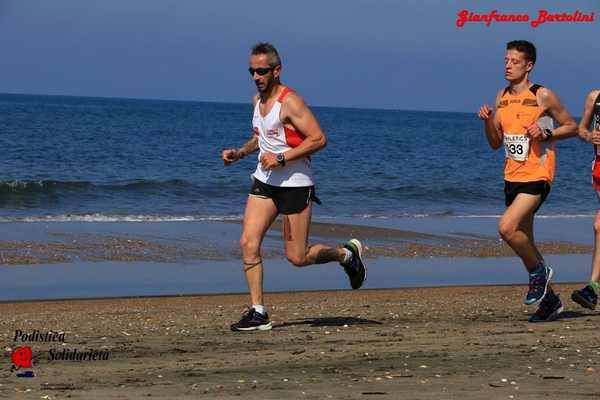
{"x": 516, "y": 147}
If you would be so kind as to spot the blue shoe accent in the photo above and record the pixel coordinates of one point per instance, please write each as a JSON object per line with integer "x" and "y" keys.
{"x": 538, "y": 285}
{"x": 549, "y": 309}
{"x": 585, "y": 297}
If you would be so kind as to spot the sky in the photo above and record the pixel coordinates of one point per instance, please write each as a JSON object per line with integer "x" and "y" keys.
{"x": 392, "y": 54}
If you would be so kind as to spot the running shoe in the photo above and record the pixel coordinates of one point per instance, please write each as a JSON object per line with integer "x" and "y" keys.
{"x": 538, "y": 285}
{"x": 252, "y": 321}
{"x": 585, "y": 297}
{"x": 355, "y": 268}
{"x": 549, "y": 309}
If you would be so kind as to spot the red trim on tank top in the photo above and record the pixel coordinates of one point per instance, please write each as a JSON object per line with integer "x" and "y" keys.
{"x": 293, "y": 138}
{"x": 284, "y": 93}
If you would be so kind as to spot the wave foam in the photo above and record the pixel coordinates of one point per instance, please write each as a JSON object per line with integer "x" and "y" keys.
{"x": 121, "y": 218}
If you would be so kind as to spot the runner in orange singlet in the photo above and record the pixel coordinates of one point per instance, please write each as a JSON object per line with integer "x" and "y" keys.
{"x": 523, "y": 125}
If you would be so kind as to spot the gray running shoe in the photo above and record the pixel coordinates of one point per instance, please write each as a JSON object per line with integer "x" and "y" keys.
{"x": 355, "y": 268}
{"x": 252, "y": 321}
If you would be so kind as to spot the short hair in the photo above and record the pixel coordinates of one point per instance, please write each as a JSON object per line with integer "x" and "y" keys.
{"x": 524, "y": 47}
{"x": 269, "y": 50}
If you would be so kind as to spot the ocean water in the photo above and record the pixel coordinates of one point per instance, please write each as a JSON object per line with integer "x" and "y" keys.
{"x": 97, "y": 159}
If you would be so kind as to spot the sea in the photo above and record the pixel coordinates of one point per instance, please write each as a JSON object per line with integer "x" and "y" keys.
{"x": 107, "y": 159}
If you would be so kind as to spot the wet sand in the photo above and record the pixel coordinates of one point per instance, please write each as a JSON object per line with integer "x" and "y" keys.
{"x": 133, "y": 244}
{"x": 442, "y": 343}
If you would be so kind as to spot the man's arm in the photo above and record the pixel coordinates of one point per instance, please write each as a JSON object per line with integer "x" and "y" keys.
{"x": 491, "y": 124}
{"x": 296, "y": 113}
{"x": 567, "y": 127}
{"x": 586, "y": 119}
{"x": 249, "y": 147}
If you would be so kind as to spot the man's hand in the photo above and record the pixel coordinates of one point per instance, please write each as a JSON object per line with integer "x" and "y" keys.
{"x": 595, "y": 136}
{"x": 485, "y": 112}
{"x": 535, "y": 132}
{"x": 230, "y": 156}
{"x": 491, "y": 125}
{"x": 269, "y": 161}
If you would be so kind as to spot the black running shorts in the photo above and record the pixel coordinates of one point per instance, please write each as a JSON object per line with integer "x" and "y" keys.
{"x": 288, "y": 200}
{"x": 512, "y": 189}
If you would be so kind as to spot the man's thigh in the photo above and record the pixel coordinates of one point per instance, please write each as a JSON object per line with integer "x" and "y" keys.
{"x": 296, "y": 228}
{"x": 258, "y": 217}
{"x": 521, "y": 210}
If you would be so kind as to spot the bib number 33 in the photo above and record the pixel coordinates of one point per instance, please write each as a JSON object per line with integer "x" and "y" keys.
{"x": 516, "y": 147}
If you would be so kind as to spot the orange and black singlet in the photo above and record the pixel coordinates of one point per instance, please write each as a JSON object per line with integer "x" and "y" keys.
{"x": 526, "y": 160}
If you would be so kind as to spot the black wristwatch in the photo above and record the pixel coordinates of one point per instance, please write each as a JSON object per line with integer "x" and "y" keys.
{"x": 548, "y": 134}
{"x": 281, "y": 159}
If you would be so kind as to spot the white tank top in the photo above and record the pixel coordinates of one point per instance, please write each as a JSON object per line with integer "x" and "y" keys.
{"x": 274, "y": 137}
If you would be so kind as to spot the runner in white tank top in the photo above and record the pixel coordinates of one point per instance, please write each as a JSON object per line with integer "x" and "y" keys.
{"x": 287, "y": 133}
{"x": 274, "y": 137}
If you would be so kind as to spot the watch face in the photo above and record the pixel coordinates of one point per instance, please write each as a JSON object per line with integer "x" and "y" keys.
{"x": 279, "y": 157}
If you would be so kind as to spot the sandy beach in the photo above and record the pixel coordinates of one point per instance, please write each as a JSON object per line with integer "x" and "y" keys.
{"x": 441, "y": 343}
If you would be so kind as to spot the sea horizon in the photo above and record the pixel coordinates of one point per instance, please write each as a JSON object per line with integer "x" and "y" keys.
{"x": 125, "y": 98}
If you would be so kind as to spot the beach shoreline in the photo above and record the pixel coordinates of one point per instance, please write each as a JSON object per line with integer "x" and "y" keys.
{"x": 115, "y": 259}
{"x": 31, "y": 243}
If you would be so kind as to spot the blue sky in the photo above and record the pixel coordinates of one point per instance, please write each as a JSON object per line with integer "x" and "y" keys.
{"x": 356, "y": 53}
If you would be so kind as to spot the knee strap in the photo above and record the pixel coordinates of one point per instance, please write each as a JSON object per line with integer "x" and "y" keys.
{"x": 249, "y": 266}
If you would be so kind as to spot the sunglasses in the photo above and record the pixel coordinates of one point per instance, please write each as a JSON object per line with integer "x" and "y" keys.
{"x": 260, "y": 71}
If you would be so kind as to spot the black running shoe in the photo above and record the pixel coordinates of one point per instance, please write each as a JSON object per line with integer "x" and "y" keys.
{"x": 538, "y": 285}
{"x": 253, "y": 321}
{"x": 549, "y": 309}
{"x": 355, "y": 268}
{"x": 585, "y": 297}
